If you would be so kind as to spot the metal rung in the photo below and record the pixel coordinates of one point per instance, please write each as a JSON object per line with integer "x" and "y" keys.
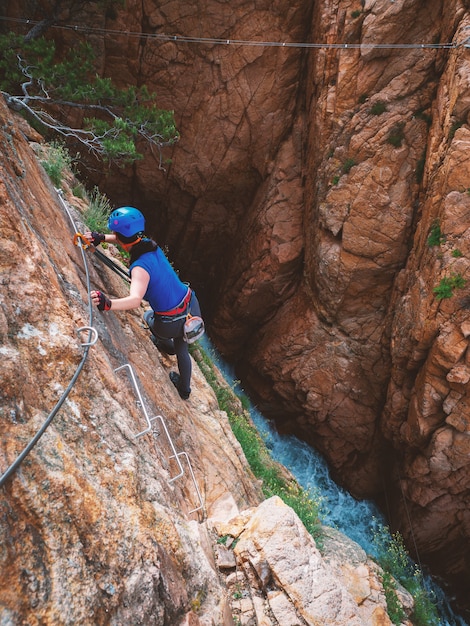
{"x": 93, "y": 332}
{"x": 185, "y": 454}
{"x": 150, "y": 420}
{"x": 141, "y": 402}
{"x": 175, "y": 455}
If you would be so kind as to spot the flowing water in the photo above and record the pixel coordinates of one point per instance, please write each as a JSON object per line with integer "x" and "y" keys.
{"x": 357, "y": 519}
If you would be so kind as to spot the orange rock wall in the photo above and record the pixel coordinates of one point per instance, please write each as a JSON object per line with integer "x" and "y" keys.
{"x": 300, "y": 199}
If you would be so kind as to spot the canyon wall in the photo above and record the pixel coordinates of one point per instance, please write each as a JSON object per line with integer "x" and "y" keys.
{"x": 300, "y": 199}
{"x": 134, "y": 506}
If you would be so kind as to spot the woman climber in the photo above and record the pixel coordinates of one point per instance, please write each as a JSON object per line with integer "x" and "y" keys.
{"x": 152, "y": 279}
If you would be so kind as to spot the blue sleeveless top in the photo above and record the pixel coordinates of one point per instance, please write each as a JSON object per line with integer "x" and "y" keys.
{"x": 165, "y": 290}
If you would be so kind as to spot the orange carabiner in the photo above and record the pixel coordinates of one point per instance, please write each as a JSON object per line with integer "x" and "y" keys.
{"x": 86, "y": 243}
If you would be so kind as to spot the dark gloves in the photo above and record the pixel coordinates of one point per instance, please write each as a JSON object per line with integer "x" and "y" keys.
{"x": 102, "y": 302}
{"x": 96, "y": 238}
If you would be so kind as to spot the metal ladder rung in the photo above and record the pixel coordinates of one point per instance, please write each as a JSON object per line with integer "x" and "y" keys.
{"x": 150, "y": 420}
{"x": 201, "y": 505}
{"x": 175, "y": 454}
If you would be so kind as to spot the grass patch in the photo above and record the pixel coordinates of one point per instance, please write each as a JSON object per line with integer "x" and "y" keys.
{"x": 394, "y": 608}
{"x": 79, "y": 191}
{"x": 445, "y": 289}
{"x": 97, "y": 213}
{"x": 56, "y": 161}
{"x": 273, "y": 479}
{"x": 398, "y": 567}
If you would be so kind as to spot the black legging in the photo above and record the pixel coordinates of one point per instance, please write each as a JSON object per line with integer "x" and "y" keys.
{"x": 174, "y": 330}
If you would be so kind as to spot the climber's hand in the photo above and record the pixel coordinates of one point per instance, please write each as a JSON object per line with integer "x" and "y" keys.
{"x": 95, "y": 238}
{"x": 102, "y": 302}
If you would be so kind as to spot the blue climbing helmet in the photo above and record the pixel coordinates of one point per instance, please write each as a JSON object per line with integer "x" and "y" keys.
{"x": 126, "y": 221}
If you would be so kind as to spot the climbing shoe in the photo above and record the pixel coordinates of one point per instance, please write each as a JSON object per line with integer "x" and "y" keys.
{"x": 164, "y": 345}
{"x": 175, "y": 379}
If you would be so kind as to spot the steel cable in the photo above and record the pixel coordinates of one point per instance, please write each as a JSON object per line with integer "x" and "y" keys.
{"x": 242, "y": 42}
{"x": 14, "y": 466}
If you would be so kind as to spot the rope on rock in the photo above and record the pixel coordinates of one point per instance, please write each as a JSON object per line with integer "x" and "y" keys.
{"x": 120, "y": 271}
{"x": 92, "y": 339}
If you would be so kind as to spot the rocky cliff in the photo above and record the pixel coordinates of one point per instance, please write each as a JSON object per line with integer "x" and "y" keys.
{"x": 300, "y": 200}
{"x": 116, "y": 516}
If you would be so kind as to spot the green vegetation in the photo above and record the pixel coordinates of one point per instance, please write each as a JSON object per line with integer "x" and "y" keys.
{"x": 445, "y": 289}
{"x": 347, "y": 165}
{"x": 79, "y": 191}
{"x": 447, "y": 285}
{"x": 398, "y": 568}
{"x": 397, "y": 135}
{"x": 436, "y": 237}
{"x": 356, "y": 14}
{"x": 56, "y": 161}
{"x": 394, "y": 608}
{"x": 238, "y": 593}
{"x": 274, "y": 480}
{"x": 96, "y": 214}
{"x": 378, "y": 108}
{"x": 198, "y": 600}
{"x": 35, "y": 79}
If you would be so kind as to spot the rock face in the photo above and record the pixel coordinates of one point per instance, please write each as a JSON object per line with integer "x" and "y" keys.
{"x": 279, "y": 557}
{"x": 101, "y": 524}
{"x": 300, "y": 201}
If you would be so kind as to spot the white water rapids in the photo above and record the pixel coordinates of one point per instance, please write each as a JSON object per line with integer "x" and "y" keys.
{"x": 357, "y": 519}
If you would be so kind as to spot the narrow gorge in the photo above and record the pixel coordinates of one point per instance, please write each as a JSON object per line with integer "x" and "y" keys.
{"x": 301, "y": 202}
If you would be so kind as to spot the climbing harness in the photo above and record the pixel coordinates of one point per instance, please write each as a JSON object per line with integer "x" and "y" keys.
{"x": 178, "y": 312}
